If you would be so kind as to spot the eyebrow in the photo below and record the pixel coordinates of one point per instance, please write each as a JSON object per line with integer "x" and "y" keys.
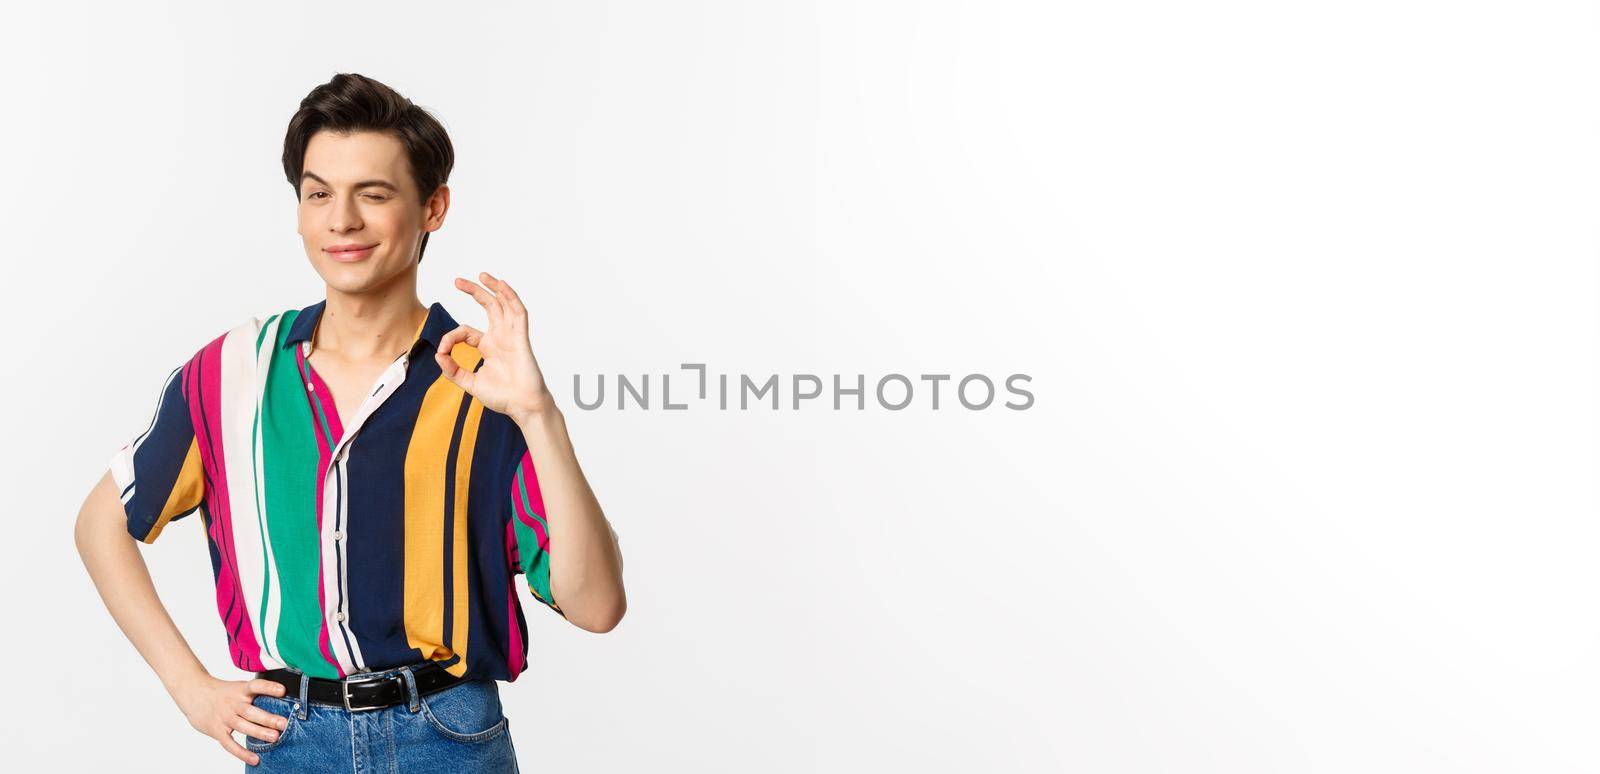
{"x": 376, "y": 183}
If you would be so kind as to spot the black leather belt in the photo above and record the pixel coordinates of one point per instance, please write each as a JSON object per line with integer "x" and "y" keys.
{"x": 364, "y": 692}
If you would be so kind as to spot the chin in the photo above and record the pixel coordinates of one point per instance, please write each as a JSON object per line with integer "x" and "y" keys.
{"x": 356, "y": 278}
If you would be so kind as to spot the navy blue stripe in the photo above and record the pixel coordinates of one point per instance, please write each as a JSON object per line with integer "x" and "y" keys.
{"x": 158, "y": 460}
{"x": 450, "y": 522}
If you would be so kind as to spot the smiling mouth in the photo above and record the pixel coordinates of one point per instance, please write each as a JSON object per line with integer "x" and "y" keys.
{"x": 347, "y": 253}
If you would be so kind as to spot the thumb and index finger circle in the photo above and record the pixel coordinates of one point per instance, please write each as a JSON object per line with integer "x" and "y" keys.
{"x": 447, "y": 364}
{"x": 467, "y": 333}
{"x": 461, "y": 333}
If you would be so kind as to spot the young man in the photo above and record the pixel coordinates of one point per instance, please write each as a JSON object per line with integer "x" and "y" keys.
{"x": 371, "y": 477}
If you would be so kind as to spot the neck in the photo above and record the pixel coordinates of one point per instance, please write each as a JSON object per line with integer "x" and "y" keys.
{"x": 374, "y": 326}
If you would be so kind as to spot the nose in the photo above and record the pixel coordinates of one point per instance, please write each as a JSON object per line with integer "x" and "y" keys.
{"x": 346, "y": 216}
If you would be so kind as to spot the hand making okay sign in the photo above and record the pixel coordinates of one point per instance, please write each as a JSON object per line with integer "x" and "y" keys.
{"x": 509, "y": 381}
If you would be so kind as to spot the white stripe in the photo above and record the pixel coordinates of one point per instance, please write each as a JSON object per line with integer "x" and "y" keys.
{"x": 241, "y": 391}
{"x": 343, "y": 578}
{"x": 332, "y": 515}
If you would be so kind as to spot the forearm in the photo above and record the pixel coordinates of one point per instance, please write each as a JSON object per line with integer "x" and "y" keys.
{"x": 118, "y": 570}
{"x": 585, "y": 560}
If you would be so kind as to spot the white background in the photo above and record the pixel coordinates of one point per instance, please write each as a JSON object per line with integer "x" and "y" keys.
{"x": 1308, "y": 292}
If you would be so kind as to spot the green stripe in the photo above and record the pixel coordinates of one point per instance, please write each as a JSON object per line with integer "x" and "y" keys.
{"x": 266, "y": 580}
{"x": 291, "y": 462}
{"x": 535, "y": 562}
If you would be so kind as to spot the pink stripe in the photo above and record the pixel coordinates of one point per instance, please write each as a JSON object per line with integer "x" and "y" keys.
{"x": 203, "y": 379}
{"x": 326, "y": 396}
{"x": 531, "y": 480}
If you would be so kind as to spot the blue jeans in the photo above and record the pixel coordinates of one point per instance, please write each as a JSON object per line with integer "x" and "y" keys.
{"x": 458, "y": 729}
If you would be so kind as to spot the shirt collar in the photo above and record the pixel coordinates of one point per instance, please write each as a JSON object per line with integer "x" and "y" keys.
{"x": 434, "y": 328}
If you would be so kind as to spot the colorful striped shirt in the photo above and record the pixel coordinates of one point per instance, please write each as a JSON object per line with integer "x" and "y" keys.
{"x": 342, "y": 545}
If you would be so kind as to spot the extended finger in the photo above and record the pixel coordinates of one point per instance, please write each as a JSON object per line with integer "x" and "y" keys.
{"x": 509, "y": 297}
{"x": 499, "y": 287}
{"x": 259, "y": 732}
{"x": 514, "y": 311}
{"x": 232, "y": 745}
{"x": 265, "y": 687}
{"x": 262, "y": 717}
{"x": 482, "y": 295}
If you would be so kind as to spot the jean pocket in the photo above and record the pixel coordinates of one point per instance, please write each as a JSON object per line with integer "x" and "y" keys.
{"x": 467, "y": 712}
{"x": 276, "y": 706}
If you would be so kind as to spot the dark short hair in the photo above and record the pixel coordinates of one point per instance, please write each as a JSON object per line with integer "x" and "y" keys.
{"x": 352, "y": 103}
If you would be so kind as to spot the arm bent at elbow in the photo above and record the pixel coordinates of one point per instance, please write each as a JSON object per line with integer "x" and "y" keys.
{"x": 213, "y": 706}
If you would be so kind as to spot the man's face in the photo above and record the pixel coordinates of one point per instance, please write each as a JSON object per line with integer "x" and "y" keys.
{"x": 357, "y": 192}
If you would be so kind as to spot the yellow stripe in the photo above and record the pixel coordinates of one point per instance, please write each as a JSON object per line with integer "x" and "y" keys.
{"x": 425, "y": 467}
{"x": 424, "y": 515}
{"x": 458, "y": 544}
{"x": 186, "y": 491}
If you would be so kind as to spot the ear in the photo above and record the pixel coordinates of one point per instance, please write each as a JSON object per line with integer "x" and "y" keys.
{"x": 437, "y": 205}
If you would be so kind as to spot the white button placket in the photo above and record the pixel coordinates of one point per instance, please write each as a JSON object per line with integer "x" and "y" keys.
{"x": 335, "y": 499}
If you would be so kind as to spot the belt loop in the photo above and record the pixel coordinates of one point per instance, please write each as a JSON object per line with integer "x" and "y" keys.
{"x": 305, "y": 690}
{"x": 413, "y": 702}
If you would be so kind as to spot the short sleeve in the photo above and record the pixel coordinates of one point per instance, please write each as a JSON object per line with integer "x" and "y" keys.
{"x": 158, "y": 474}
{"x": 529, "y": 533}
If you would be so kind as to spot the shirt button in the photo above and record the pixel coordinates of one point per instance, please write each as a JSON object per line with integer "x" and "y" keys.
{"x": 310, "y": 387}
{"x": 338, "y": 534}
{"x": 305, "y": 347}
{"x": 339, "y": 616}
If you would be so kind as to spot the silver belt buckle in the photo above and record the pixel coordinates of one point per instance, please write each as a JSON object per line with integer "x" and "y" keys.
{"x": 344, "y": 689}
